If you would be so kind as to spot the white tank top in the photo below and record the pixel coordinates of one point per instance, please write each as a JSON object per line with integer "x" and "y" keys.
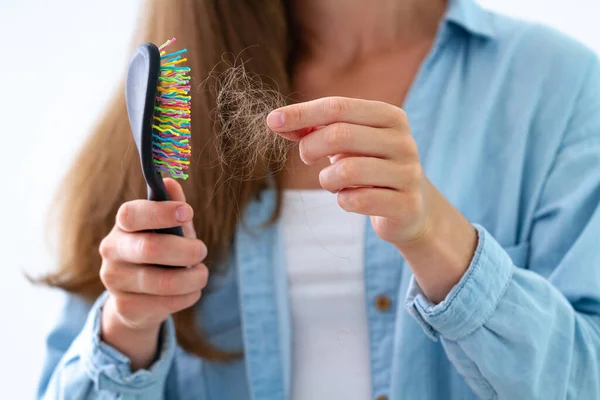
{"x": 324, "y": 254}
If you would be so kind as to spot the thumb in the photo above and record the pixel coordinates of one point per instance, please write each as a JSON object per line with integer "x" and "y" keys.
{"x": 175, "y": 192}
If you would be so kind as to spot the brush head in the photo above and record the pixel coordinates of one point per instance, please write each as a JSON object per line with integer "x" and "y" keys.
{"x": 158, "y": 103}
{"x": 172, "y": 115}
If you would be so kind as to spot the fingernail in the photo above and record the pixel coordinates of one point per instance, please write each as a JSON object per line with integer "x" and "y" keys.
{"x": 275, "y": 119}
{"x": 183, "y": 213}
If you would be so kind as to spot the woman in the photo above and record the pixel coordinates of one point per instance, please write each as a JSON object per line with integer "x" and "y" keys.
{"x": 481, "y": 192}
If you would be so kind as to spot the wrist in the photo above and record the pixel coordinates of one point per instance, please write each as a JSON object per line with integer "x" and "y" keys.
{"x": 442, "y": 253}
{"x": 139, "y": 344}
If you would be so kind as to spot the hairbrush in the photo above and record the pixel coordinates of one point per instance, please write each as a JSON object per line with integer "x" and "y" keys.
{"x": 158, "y": 104}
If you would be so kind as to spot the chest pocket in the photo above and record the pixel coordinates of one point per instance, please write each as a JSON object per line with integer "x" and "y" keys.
{"x": 519, "y": 254}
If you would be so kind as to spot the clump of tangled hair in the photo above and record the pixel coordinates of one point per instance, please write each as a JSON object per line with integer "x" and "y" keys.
{"x": 244, "y": 142}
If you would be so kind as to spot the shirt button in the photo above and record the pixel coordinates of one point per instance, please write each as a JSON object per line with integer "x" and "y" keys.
{"x": 382, "y": 397}
{"x": 383, "y": 303}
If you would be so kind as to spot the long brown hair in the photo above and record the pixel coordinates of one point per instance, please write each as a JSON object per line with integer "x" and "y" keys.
{"x": 107, "y": 173}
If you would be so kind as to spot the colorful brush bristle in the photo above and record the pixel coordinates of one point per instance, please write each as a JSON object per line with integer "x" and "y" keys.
{"x": 172, "y": 115}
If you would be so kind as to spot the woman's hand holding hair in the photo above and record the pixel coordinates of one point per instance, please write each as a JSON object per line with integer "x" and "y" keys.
{"x": 142, "y": 295}
{"x": 375, "y": 170}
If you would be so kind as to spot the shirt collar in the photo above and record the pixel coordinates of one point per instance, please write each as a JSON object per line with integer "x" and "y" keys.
{"x": 470, "y": 16}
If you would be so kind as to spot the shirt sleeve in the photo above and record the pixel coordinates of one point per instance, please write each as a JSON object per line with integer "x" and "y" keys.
{"x": 80, "y": 365}
{"x": 517, "y": 333}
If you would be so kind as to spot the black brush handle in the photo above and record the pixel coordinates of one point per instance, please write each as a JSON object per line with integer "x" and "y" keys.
{"x": 160, "y": 194}
{"x": 176, "y": 230}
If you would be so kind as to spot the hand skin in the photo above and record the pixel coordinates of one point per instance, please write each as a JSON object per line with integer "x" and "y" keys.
{"x": 142, "y": 295}
{"x": 375, "y": 170}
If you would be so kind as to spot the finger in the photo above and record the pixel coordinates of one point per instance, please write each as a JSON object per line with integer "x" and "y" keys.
{"x": 343, "y": 138}
{"x": 149, "y": 279}
{"x": 380, "y": 202}
{"x": 176, "y": 193}
{"x": 368, "y": 171}
{"x": 328, "y": 110}
{"x": 137, "y": 309}
{"x": 153, "y": 248}
{"x": 141, "y": 215}
{"x": 299, "y": 134}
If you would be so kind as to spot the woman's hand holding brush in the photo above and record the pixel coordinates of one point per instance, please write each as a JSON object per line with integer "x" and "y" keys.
{"x": 142, "y": 295}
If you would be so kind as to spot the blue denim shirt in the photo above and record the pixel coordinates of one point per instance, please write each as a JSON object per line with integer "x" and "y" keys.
{"x": 506, "y": 115}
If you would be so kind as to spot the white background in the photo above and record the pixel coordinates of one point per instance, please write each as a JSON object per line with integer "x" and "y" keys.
{"x": 58, "y": 64}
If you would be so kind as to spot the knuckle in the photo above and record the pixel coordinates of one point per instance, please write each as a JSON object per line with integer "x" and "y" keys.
{"x": 105, "y": 248}
{"x": 147, "y": 246}
{"x": 192, "y": 254}
{"x": 154, "y": 214}
{"x": 197, "y": 252}
{"x": 410, "y": 146}
{"x": 351, "y": 201}
{"x": 338, "y": 134}
{"x": 397, "y": 142}
{"x": 336, "y": 106}
{"x": 397, "y": 148}
{"x": 143, "y": 277}
{"x": 166, "y": 282}
{"x": 360, "y": 201}
{"x": 346, "y": 170}
{"x": 107, "y": 276}
{"x": 403, "y": 144}
{"x": 400, "y": 117}
{"x": 125, "y": 215}
{"x": 203, "y": 276}
{"x": 298, "y": 115}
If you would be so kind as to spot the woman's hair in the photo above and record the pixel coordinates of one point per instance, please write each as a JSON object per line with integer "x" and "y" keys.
{"x": 107, "y": 172}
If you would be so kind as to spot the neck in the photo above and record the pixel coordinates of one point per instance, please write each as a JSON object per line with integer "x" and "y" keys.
{"x": 346, "y": 30}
